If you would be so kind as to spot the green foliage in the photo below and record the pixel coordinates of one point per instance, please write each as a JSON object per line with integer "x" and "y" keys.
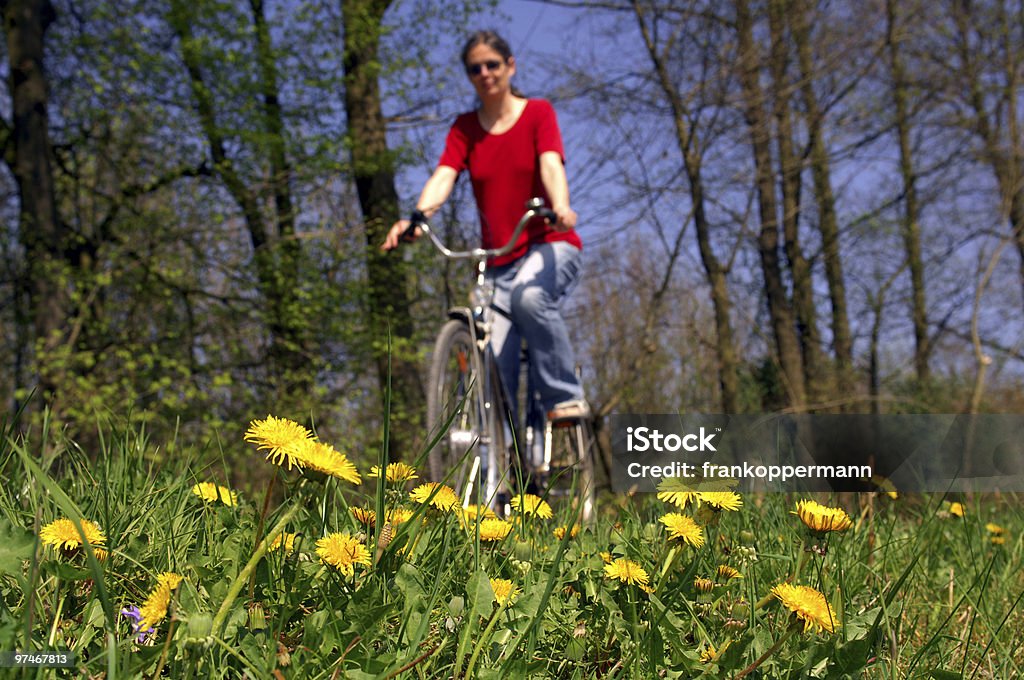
{"x": 916, "y": 590}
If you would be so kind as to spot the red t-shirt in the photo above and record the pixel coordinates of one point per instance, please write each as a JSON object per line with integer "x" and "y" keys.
{"x": 505, "y": 171}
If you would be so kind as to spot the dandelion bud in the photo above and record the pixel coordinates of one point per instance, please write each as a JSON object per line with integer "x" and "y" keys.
{"x": 386, "y": 534}
{"x": 521, "y": 566}
{"x": 734, "y": 625}
{"x": 257, "y": 617}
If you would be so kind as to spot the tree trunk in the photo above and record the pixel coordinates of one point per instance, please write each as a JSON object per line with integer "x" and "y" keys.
{"x": 275, "y": 250}
{"x": 689, "y": 147}
{"x": 779, "y": 309}
{"x": 373, "y": 169}
{"x": 41, "y": 231}
{"x": 790, "y": 166}
{"x": 293, "y": 353}
{"x": 910, "y": 226}
{"x": 828, "y": 224}
{"x": 1003, "y": 145}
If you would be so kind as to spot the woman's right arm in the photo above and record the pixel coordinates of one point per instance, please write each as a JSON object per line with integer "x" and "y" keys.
{"x": 435, "y": 193}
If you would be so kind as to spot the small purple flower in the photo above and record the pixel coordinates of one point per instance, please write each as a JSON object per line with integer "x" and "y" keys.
{"x": 135, "y": 615}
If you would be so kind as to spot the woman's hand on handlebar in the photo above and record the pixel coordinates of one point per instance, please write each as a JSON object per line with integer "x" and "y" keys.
{"x": 400, "y": 233}
{"x": 566, "y": 218}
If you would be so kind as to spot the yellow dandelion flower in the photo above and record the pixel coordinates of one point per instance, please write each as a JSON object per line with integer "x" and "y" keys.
{"x": 957, "y": 509}
{"x": 211, "y": 493}
{"x": 559, "y": 532}
{"x": 64, "y": 536}
{"x": 678, "y": 493}
{"x": 468, "y": 515}
{"x": 471, "y": 512}
{"x": 808, "y": 605}
{"x": 276, "y": 435}
{"x": 169, "y": 579}
{"x": 726, "y": 573}
{"x": 154, "y": 609}
{"x": 721, "y": 500}
{"x": 323, "y": 458}
{"x": 494, "y": 529}
{"x": 283, "y": 540}
{"x": 444, "y": 497}
{"x": 626, "y": 571}
{"x": 528, "y": 504}
{"x": 364, "y": 516}
{"x": 997, "y": 533}
{"x": 822, "y": 518}
{"x": 398, "y": 515}
{"x": 710, "y": 653}
{"x": 605, "y": 556}
{"x": 703, "y": 585}
{"x": 342, "y": 551}
{"x": 678, "y": 498}
{"x": 683, "y": 528}
{"x": 395, "y": 472}
{"x": 504, "y": 591}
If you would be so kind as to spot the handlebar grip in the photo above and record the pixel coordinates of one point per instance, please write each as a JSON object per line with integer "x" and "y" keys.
{"x": 416, "y": 219}
{"x": 548, "y": 214}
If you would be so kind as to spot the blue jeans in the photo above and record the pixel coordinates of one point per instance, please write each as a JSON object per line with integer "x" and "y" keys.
{"x": 529, "y": 291}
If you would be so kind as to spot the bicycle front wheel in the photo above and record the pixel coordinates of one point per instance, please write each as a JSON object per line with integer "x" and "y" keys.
{"x": 455, "y": 406}
{"x": 569, "y": 471}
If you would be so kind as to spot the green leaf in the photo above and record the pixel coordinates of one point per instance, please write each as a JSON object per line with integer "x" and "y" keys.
{"x": 481, "y": 599}
{"x": 16, "y": 546}
{"x": 312, "y": 627}
{"x": 943, "y": 674}
{"x": 93, "y": 615}
{"x": 481, "y": 596}
{"x": 363, "y": 616}
{"x": 414, "y": 604}
{"x": 851, "y": 659}
{"x": 575, "y": 649}
{"x": 68, "y": 572}
{"x": 734, "y": 654}
{"x": 858, "y": 626}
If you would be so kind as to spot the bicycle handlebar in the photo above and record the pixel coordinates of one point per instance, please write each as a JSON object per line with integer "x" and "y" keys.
{"x": 534, "y": 208}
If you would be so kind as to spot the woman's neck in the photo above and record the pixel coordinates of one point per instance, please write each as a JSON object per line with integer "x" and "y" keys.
{"x": 500, "y": 112}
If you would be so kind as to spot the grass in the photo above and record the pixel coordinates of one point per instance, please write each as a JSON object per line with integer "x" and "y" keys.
{"x": 916, "y": 591}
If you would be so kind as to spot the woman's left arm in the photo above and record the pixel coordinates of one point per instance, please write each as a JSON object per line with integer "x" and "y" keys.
{"x": 552, "y": 175}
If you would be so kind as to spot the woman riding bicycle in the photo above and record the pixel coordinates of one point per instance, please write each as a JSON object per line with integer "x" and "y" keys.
{"x": 512, "y": 148}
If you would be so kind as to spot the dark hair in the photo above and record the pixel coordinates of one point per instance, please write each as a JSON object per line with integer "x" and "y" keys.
{"x": 490, "y": 39}
{"x": 495, "y": 42}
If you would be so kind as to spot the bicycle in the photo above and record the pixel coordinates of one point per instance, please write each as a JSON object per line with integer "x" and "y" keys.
{"x": 483, "y": 435}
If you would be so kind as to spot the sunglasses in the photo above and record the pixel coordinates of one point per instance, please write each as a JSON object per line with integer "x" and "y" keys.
{"x": 477, "y": 69}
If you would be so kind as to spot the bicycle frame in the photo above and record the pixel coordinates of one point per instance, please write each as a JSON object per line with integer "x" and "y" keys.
{"x": 492, "y": 398}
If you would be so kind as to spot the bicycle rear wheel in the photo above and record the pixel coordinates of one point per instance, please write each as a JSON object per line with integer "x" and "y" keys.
{"x": 458, "y": 401}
